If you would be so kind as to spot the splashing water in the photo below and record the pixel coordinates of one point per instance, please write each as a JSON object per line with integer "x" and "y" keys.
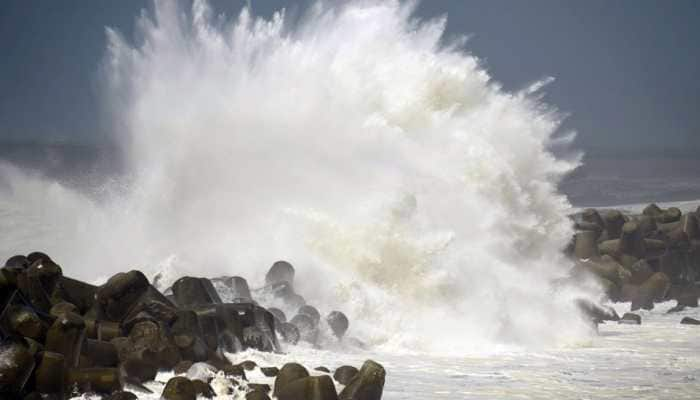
{"x": 408, "y": 188}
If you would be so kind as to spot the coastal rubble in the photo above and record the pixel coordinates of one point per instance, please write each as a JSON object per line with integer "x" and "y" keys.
{"x": 60, "y": 337}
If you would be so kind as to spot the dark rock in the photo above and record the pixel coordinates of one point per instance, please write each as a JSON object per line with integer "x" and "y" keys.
{"x": 270, "y": 371}
{"x": 630, "y": 318}
{"x": 203, "y": 389}
{"x": 240, "y": 292}
{"x": 260, "y": 387}
{"x": 78, "y": 293}
{"x": 19, "y": 262}
{"x": 586, "y": 245}
{"x": 338, "y": 322}
{"x": 37, "y": 256}
{"x": 38, "y": 282}
{"x": 290, "y": 333}
{"x": 63, "y": 307}
{"x": 179, "y": 388}
{"x": 614, "y": 220}
{"x": 100, "y": 380}
{"x": 690, "y": 321}
{"x": 671, "y": 214}
{"x": 248, "y": 365}
{"x": 653, "y": 289}
{"x": 182, "y": 367}
{"x": 23, "y": 321}
{"x": 312, "y": 312}
{"x": 306, "y": 326}
{"x": 281, "y": 271}
{"x": 121, "y": 395}
{"x": 108, "y": 330}
{"x": 368, "y": 384}
{"x": 66, "y": 336}
{"x": 322, "y": 369}
{"x": 652, "y": 210}
{"x": 120, "y": 293}
{"x": 676, "y": 308}
{"x": 640, "y": 272}
{"x": 595, "y": 312}
{"x": 278, "y": 314}
{"x": 631, "y": 240}
{"x": 140, "y": 366}
{"x": 345, "y": 374}
{"x": 309, "y": 388}
{"x": 48, "y": 377}
{"x": 100, "y": 353}
{"x": 256, "y": 395}
{"x": 16, "y": 368}
{"x": 288, "y": 374}
{"x": 190, "y": 292}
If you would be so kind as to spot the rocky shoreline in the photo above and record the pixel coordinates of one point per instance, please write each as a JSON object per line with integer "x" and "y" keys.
{"x": 62, "y": 337}
{"x": 638, "y": 258}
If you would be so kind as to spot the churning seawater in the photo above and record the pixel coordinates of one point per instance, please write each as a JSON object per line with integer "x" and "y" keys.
{"x": 406, "y": 186}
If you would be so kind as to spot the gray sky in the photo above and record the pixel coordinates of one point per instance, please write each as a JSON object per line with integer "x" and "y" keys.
{"x": 626, "y": 71}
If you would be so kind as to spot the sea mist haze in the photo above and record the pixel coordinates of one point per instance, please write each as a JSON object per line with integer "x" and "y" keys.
{"x": 406, "y": 186}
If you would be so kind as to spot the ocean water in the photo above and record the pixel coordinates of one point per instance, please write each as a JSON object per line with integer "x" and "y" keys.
{"x": 409, "y": 190}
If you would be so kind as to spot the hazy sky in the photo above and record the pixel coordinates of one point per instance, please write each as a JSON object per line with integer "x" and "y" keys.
{"x": 626, "y": 71}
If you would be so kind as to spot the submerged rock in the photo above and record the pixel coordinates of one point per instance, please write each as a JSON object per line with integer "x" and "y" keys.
{"x": 179, "y": 388}
{"x": 630, "y": 318}
{"x": 690, "y": 321}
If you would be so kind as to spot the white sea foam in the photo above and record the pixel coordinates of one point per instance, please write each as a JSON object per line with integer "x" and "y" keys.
{"x": 408, "y": 188}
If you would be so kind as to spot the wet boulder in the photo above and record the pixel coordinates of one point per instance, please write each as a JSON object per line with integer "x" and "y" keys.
{"x": 23, "y": 321}
{"x": 256, "y": 395}
{"x": 49, "y": 373}
{"x": 278, "y": 314}
{"x": 248, "y": 326}
{"x": 614, "y": 220}
{"x": 309, "y": 388}
{"x": 344, "y": 374}
{"x": 179, "y": 388}
{"x": 80, "y": 294}
{"x": 63, "y": 307}
{"x": 640, "y": 272}
{"x": 586, "y": 245}
{"x": 239, "y": 292}
{"x": 121, "y": 395}
{"x": 289, "y": 373}
{"x": 100, "y": 353}
{"x": 66, "y": 336}
{"x": 630, "y": 318}
{"x": 690, "y": 321}
{"x": 338, "y": 323}
{"x": 38, "y": 282}
{"x": 120, "y": 293}
{"x": 631, "y": 240}
{"x": 16, "y": 367}
{"x": 308, "y": 331}
{"x": 596, "y": 312}
{"x": 289, "y": 333}
{"x": 652, "y": 290}
{"x": 368, "y": 384}
{"x": 281, "y": 271}
{"x": 270, "y": 371}
{"x": 311, "y": 311}
{"x": 190, "y": 292}
{"x": 99, "y": 380}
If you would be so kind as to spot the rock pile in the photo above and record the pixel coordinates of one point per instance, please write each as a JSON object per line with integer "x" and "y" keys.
{"x": 641, "y": 259}
{"x": 60, "y": 336}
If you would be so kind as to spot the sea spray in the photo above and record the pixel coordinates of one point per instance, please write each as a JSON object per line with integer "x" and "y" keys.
{"x": 407, "y": 187}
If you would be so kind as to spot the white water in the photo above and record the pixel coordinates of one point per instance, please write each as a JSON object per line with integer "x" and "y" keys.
{"x": 408, "y": 189}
